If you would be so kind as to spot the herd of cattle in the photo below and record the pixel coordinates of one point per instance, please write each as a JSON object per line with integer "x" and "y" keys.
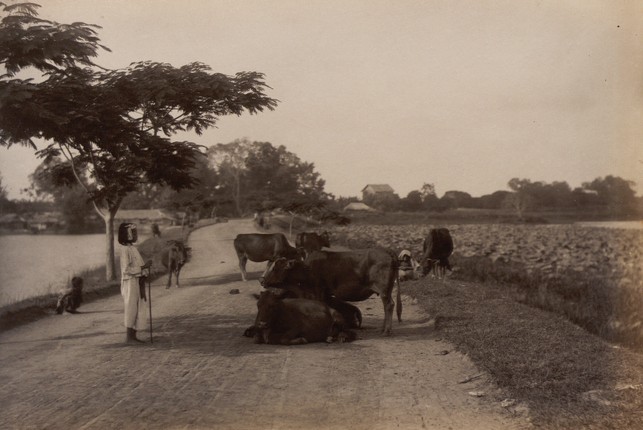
{"x": 307, "y": 288}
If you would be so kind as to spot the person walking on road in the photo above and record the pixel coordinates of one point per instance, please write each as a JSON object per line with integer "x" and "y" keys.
{"x": 132, "y": 269}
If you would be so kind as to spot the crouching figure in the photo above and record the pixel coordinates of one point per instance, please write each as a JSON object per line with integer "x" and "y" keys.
{"x": 409, "y": 268}
{"x": 71, "y": 298}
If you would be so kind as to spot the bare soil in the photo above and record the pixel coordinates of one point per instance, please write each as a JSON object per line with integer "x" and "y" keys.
{"x": 74, "y": 371}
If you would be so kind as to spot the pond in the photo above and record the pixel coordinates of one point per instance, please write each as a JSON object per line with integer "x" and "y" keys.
{"x": 34, "y": 265}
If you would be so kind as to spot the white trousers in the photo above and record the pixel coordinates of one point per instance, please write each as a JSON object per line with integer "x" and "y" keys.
{"x": 136, "y": 310}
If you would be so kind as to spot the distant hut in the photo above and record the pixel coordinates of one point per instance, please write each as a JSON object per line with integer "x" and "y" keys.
{"x": 145, "y": 218}
{"x": 12, "y": 222}
{"x": 358, "y": 207}
{"x": 46, "y": 221}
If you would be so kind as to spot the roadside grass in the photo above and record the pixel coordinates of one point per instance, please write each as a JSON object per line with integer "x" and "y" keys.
{"x": 597, "y": 302}
{"x": 567, "y": 377}
{"x": 95, "y": 284}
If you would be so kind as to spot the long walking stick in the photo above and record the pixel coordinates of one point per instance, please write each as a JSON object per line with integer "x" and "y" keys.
{"x": 149, "y": 296}
{"x": 149, "y": 300}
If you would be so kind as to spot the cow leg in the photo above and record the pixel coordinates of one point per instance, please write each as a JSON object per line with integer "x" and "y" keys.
{"x": 268, "y": 266}
{"x": 296, "y": 341}
{"x": 292, "y": 337}
{"x": 388, "y": 314}
{"x": 169, "y": 277}
{"x": 441, "y": 271}
{"x": 242, "y": 266}
{"x": 265, "y": 272}
{"x": 250, "y": 331}
{"x": 346, "y": 336}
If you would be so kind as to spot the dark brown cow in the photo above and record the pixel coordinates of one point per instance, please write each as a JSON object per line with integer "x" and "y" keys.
{"x": 310, "y": 242}
{"x": 259, "y": 247}
{"x": 289, "y": 321}
{"x": 173, "y": 257}
{"x": 437, "y": 248}
{"x": 348, "y": 276}
{"x": 293, "y": 279}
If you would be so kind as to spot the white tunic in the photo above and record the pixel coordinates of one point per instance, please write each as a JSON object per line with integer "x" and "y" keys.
{"x": 136, "y": 312}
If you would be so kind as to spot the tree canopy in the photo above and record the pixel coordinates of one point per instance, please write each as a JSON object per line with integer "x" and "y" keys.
{"x": 114, "y": 129}
{"x": 258, "y": 175}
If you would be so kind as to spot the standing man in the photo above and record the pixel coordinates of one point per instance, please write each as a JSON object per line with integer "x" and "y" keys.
{"x": 132, "y": 268}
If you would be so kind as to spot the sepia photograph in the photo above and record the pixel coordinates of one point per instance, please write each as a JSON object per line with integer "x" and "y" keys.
{"x": 321, "y": 214}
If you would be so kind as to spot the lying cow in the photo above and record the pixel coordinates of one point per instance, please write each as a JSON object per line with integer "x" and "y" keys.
{"x": 173, "y": 257}
{"x": 347, "y": 276}
{"x": 437, "y": 248}
{"x": 259, "y": 247}
{"x": 287, "y": 321}
{"x": 310, "y": 242}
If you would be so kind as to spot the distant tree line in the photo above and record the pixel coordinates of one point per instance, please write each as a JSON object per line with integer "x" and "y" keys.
{"x": 232, "y": 180}
{"x": 243, "y": 177}
{"x": 612, "y": 195}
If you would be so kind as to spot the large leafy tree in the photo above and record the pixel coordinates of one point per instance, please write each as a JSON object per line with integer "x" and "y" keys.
{"x": 114, "y": 129}
{"x": 277, "y": 175}
{"x": 258, "y": 175}
{"x": 229, "y": 162}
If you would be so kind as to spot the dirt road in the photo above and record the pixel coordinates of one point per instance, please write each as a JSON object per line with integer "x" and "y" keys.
{"x": 74, "y": 371}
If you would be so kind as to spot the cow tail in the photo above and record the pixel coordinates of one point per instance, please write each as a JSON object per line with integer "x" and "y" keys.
{"x": 396, "y": 279}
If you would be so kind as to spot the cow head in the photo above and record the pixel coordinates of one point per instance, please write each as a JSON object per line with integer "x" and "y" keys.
{"x": 278, "y": 273}
{"x": 268, "y": 308}
{"x": 180, "y": 252}
{"x": 296, "y": 254}
{"x": 428, "y": 264}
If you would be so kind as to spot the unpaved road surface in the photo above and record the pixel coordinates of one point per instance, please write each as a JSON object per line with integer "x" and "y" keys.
{"x": 74, "y": 371}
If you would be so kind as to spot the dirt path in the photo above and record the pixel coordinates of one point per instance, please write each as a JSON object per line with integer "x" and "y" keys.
{"x": 74, "y": 372}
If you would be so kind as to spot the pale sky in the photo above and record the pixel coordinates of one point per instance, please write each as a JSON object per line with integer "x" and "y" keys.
{"x": 462, "y": 94}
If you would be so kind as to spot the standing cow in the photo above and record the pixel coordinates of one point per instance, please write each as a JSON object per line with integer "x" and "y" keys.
{"x": 310, "y": 242}
{"x": 437, "y": 248}
{"x": 173, "y": 257}
{"x": 259, "y": 247}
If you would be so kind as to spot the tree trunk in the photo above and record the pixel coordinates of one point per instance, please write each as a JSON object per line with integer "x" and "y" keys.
{"x": 110, "y": 265}
{"x": 237, "y": 194}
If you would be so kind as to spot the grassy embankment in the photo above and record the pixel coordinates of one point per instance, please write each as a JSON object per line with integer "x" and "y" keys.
{"x": 590, "y": 275}
{"x": 567, "y": 377}
{"x": 95, "y": 284}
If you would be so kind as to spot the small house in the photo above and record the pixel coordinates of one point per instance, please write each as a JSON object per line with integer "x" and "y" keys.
{"x": 372, "y": 190}
{"x": 145, "y": 217}
{"x": 13, "y": 222}
{"x": 45, "y": 221}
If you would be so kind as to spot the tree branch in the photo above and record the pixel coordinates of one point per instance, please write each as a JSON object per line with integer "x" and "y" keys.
{"x": 69, "y": 156}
